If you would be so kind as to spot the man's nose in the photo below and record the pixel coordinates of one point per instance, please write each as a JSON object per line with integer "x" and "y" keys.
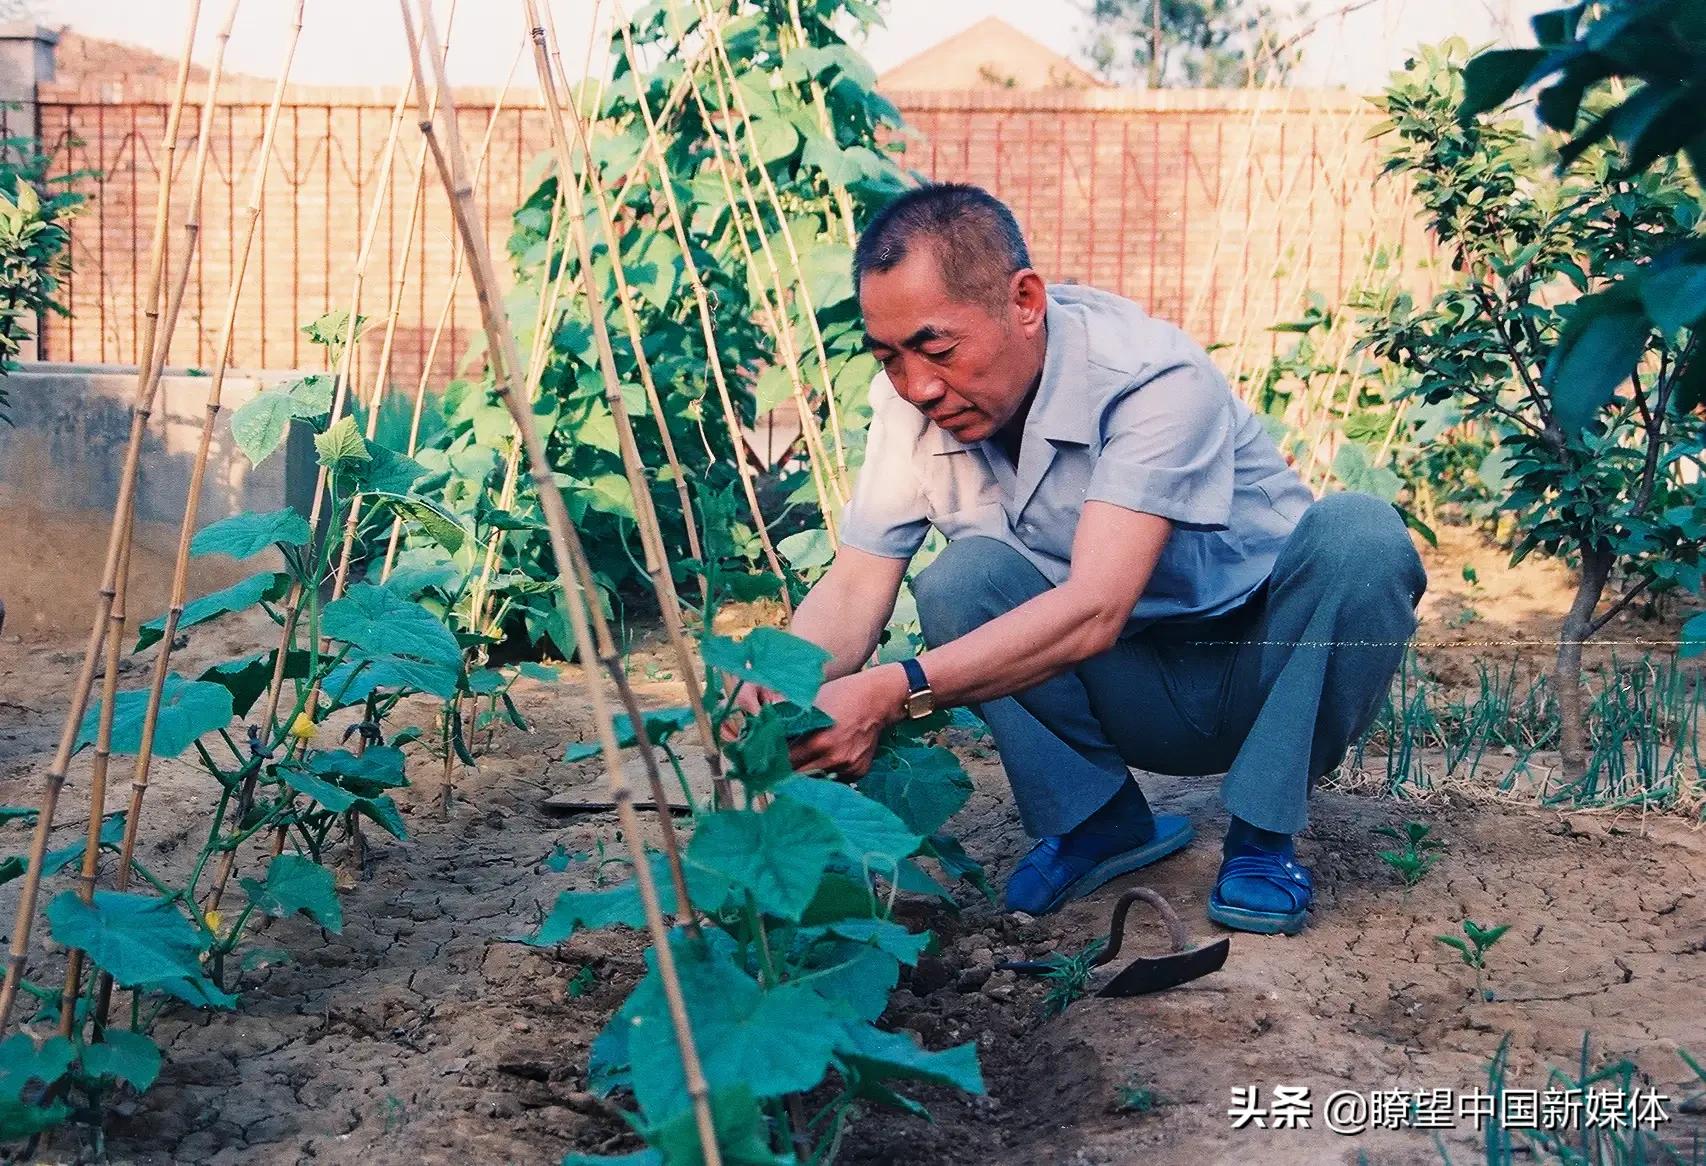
{"x": 923, "y": 387}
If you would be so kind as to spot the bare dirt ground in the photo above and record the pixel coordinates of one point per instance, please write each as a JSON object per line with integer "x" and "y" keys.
{"x": 420, "y": 1034}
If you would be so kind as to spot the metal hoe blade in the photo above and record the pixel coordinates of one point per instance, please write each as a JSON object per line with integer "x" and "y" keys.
{"x": 1160, "y": 972}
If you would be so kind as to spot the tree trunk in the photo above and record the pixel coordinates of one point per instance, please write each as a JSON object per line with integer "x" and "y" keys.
{"x": 1567, "y": 676}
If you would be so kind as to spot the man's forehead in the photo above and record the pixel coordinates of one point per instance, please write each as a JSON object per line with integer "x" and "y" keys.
{"x": 920, "y": 333}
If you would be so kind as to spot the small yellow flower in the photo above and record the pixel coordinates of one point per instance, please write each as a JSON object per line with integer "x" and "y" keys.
{"x": 302, "y": 728}
{"x": 212, "y": 921}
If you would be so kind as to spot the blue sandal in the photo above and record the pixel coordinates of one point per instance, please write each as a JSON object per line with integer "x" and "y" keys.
{"x": 1278, "y": 871}
{"x": 1046, "y": 880}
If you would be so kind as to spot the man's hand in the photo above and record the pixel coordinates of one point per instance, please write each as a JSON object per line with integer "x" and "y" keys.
{"x": 748, "y": 700}
{"x": 862, "y": 706}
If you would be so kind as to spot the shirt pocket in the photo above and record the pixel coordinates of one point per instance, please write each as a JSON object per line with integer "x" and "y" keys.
{"x": 956, "y": 481}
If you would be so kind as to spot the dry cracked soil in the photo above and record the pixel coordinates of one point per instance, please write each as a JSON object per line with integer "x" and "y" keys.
{"x": 422, "y": 1033}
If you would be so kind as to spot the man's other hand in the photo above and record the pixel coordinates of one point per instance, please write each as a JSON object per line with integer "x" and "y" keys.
{"x": 862, "y": 706}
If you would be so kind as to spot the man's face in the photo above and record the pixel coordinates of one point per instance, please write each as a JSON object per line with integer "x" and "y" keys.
{"x": 968, "y": 367}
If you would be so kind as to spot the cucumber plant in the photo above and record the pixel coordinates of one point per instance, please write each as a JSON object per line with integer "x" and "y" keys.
{"x": 254, "y": 724}
{"x": 796, "y": 884}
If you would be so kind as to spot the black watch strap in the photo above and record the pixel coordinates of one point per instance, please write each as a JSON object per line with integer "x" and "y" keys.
{"x": 915, "y": 679}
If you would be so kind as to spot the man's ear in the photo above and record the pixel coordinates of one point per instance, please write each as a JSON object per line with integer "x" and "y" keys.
{"x": 1030, "y": 300}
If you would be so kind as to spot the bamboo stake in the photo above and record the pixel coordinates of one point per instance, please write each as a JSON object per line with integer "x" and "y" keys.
{"x": 456, "y": 266}
{"x": 657, "y": 565}
{"x": 838, "y": 190}
{"x": 198, "y": 470}
{"x": 624, "y": 295}
{"x": 808, "y": 310}
{"x": 294, "y": 601}
{"x": 565, "y": 545}
{"x": 141, "y": 401}
{"x": 101, "y": 765}
{"x": 702, "y": 301}
{"x": 776, "y": 319}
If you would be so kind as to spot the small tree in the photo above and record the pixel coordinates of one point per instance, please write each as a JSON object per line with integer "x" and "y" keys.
{"x": 1208, "y": 44}
{"x": 34, "y": 234}
{"x": 1593, "y": 457}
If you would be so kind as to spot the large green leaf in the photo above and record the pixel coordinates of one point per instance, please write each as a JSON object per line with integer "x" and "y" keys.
{"x": 742, "y": 1133}
{"x": 354, "y": 680}
{"x": 1491, "y": 78}
{"x": 293, "y": 884}
{"x": 389, "y": 472}
{"x": 924, "y": 786}
{"x": 22, "y": 1061}
{"x": 248, "y": 676}
{"x": 1357, "y": 474}
{"x": 1693, "y": 636}
{"x": 250, "y": 533}
{"x": 380, "y": 623}
{"x": 268, "y": 585}
{"x": 129, "y": 1056}
{"x": 773, "y": 658}
{"x": 435, "y": 521}
{"x": 138, "y": 939}
{"x": 342, "y": 445}
{"x": 872, "y": 836}
{"x": 855, "y": 975}
{"x": 188, "y": 708}
{"x": 1597, "y": 351}
{"x": 259, "y": 424}
{"x": 772, "y": 1041}
{"x": 329, "y": 794}
{"x": 876, "y": 1055}
{"x": 777, "y": 855}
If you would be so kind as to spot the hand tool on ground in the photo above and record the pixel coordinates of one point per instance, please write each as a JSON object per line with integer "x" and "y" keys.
{"x": 1146, "y": 974}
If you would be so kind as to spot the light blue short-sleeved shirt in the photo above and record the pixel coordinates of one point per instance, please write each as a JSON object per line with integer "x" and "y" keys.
{"x": 1129, "y": 411}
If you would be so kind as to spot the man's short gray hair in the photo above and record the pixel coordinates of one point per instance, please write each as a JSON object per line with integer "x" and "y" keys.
{"x": 976, "y": 240}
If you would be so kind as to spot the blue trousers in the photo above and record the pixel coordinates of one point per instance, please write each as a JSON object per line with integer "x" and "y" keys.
{"x": 1271, "y": 695}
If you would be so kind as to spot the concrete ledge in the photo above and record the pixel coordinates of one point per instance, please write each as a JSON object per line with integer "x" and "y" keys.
{"x": 59, "y": 470}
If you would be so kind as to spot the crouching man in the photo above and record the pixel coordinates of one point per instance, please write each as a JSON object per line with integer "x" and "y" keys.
{"x": 1134, "y": 576}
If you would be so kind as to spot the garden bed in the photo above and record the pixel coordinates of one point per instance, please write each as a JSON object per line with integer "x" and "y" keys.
{"x": 420, "y": 1035}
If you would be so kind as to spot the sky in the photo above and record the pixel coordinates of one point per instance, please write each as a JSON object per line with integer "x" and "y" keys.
{"x": 359, "y": 42}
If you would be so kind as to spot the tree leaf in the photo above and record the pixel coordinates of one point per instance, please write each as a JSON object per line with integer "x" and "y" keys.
{"x": 139, "y": 939}
{"x": 293, "y": 884}
{"x": 1597, "y": 351}
{"x": 1493, "y": 77}
{"x": 249, "y": 533}
{"x": 807, "y": 549}
{"x": 772, "y": 658}
{"x": 1675, "y": 296}
{"x": 129, "y": 1056}
{"x": 777, "y": 855}
{"x": 268, "y": 585}
{"x": 188, "y": 708}
{"x": 389, "y": 472}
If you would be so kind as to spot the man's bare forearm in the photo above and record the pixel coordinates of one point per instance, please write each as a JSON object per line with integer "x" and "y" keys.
{"x": 846, "y": 611}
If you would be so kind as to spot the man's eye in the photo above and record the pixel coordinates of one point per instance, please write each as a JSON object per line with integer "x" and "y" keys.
{"x": 941, "y": 354}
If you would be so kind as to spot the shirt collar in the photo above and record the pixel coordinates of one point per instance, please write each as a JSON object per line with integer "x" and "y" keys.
{"x": 1061, "y": 410}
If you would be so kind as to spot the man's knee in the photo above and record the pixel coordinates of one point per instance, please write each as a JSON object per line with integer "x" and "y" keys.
{"x": 1358, "y": 539}
{"x": 971, "y": 582}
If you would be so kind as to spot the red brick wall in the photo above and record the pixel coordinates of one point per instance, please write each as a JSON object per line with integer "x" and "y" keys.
{"x": 1217, "y": 210}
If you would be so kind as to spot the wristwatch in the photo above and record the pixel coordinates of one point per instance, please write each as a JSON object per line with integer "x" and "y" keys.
{"x": 920, "y": 701}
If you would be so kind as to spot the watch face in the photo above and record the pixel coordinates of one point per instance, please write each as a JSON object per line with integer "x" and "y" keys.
{"x": 921, "y": 703}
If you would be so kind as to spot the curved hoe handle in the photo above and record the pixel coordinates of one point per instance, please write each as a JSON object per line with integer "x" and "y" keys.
{"x": 1176, "y": 933}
